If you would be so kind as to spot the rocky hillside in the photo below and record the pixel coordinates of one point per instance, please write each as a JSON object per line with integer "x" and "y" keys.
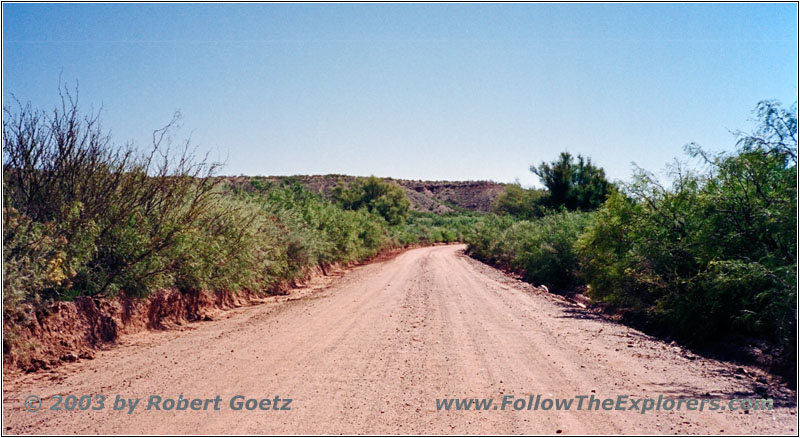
{"x": 428, "y": 196}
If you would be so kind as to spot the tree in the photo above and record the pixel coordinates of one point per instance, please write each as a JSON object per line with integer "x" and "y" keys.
{"x": 573, "y": 185}
{"x": 376, "y": 195}
{"x": 519, "y": 202}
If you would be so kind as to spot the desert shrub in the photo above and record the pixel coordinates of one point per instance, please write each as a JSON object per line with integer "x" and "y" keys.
{"x": 115, "y": 212}
{"x": 541, "y": 250}
{"x": 435, "y": 228}
{"x": 488, "y": 240}
{"x": 376, "y": 195}
{"x": 317, "y": 232}
{"x": 714, "y": 253}
{"x": 520, "y": 202}
{"x": 544, "y": 249}
{"x": 234, "y": 246}
{"x": 607, "y": 253}
{"x": 37, "y": 265}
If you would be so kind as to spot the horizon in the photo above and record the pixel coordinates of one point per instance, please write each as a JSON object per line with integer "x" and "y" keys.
{"x": 223, "y": 175}
{"x": 432, "y": 92}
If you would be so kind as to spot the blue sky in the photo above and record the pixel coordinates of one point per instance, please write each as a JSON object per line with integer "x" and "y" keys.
{"x": 437, "y": 91}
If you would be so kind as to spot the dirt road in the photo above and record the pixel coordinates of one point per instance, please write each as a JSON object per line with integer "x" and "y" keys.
{"x": 372, "y": 352}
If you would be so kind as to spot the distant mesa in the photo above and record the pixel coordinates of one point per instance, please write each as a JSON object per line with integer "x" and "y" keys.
{"x": 425, "y": 196}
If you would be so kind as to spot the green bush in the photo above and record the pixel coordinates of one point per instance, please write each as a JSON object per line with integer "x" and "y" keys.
{"x": 713, "y": 254}
{"x": 488, "y": 241}
{"x": 376, "y": 195}
{"x": 542, "y": 250}
{"x": 520, "y": 203}
{"x": 115, "y": 213}
{"x": 318, "y": 232}
{"x": 435, "y": 228}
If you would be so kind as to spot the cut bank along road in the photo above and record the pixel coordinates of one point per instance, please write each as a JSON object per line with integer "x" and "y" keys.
{"x": 372, "y": 352}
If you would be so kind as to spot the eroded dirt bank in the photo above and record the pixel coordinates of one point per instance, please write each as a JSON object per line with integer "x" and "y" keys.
{"x": 373, "y": 352}
{"x": 71, "y": 331}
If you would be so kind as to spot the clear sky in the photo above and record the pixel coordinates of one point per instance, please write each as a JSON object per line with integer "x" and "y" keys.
{"x": 437, "y": 91}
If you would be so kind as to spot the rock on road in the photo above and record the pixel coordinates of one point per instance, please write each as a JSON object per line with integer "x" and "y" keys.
{"x": 371, "y": 353}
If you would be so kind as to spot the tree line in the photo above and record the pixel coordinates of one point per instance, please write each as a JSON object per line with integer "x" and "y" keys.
{"x": 709, "y": 255}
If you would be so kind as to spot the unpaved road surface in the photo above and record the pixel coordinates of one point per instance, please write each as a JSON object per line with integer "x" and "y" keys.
{"x": 373, "y": 351}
